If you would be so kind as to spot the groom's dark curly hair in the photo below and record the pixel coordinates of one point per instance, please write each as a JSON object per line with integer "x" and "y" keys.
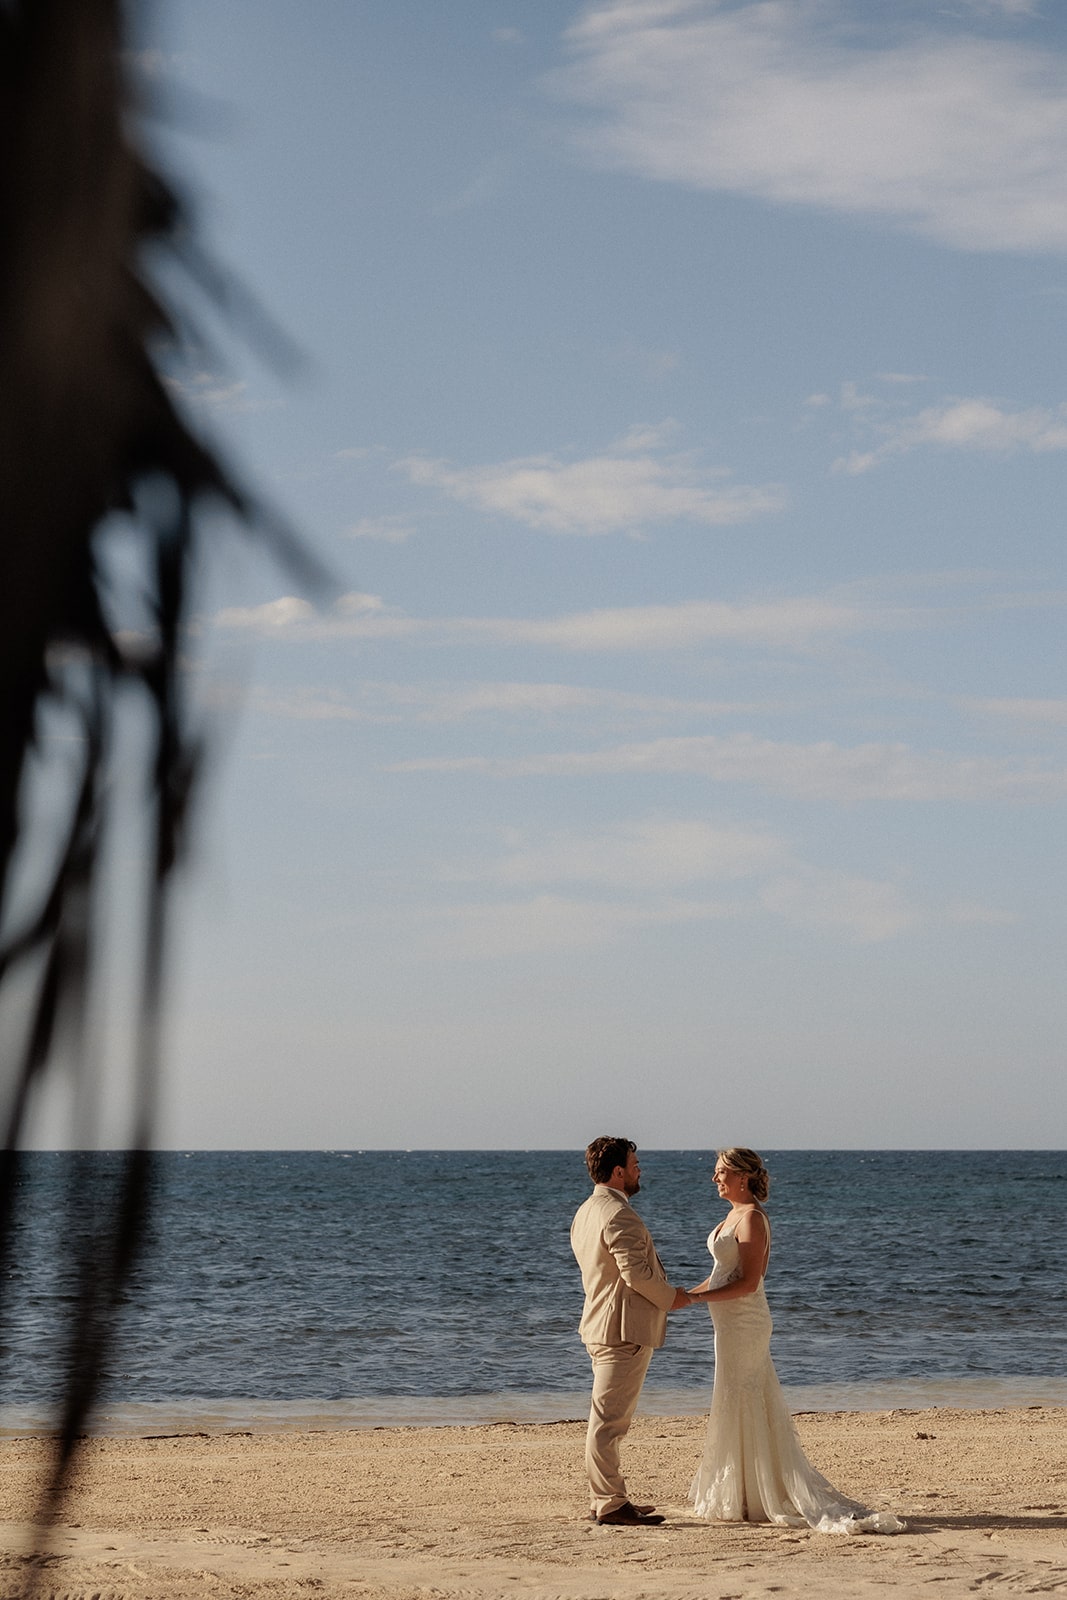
{"x": 605, "y": 1154}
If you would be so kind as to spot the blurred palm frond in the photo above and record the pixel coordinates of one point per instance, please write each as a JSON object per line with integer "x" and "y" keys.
{"x": 90, "y": 432}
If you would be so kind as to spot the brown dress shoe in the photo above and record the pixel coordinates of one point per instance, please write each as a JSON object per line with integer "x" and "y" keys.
{"x": 628, "y": 1516}
{"x": 644, "y": 1510}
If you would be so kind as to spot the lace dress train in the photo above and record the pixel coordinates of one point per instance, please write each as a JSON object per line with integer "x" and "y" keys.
{"x": 753, "y": 1468}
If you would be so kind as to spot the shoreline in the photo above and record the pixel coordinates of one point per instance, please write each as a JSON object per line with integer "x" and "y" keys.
{"x": 206, "y": 1415}
{"x": 474, "y": 1512}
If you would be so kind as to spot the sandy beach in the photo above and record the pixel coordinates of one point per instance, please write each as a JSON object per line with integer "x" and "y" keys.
{"x": 400, "y": 1513}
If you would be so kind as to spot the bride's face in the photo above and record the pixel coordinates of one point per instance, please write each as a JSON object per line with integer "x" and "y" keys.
{"x": 730, "y": 1184}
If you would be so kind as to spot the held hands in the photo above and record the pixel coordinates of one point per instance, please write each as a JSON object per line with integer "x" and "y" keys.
{"x": 690, "y": 1297}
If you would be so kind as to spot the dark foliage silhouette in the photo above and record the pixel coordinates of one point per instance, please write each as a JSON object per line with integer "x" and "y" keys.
{"x": 91, "y": 438}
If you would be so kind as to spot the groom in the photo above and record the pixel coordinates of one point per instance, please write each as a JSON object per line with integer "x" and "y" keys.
{"x": 627, "y": 1298}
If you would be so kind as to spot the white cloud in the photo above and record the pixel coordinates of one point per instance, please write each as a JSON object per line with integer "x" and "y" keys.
{"x": 856, "y": 462}
{"x": 823, "y": 771}
{"x": 980, "y": 425}
{"x": 798, "y": 623}
{"x": 615, "y": 493}
{"x": 865, "y": 910}
{"x": 649, "y": 854}
{"x": 354, "y": 616}
{"x": 389, "y": 702}
{"x": 152, "y": 63}
{"x": 286, "y": 612}
{"x": 1005, "y": 8}
{"x": 966, "y": 424}
{"x": 449, "y": 702}
{"x": 206, "y": 391}
{"x": 648, "y": 435}
{"x": 794, "y": 623}
{"x": 812, "y": 898}
{"x": 853, "y": 399}
{"x": 944, "y": 132}
{"x": 639, "y": 864}
{"x": 356, "y": 603}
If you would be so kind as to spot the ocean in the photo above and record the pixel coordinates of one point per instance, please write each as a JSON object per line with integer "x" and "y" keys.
{"x": 330, "y": 1288}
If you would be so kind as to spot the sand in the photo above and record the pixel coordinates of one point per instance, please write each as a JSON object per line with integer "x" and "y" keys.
{"x": 428, "y": 1513}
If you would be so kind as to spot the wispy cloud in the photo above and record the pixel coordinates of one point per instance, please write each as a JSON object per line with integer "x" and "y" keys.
{"x": 652, "y": 853}
{"x": 940, "y": 129}
{"x": 1003, "y": 8}
{"x": 626, "y": 490}
{"x": 207, "y": 391}
{"x": 640, "y": 871}
{"x": 452, "y": 702}
{"x": 790, "y": 623}
{"x": 153, "y": 63}
{"x": 795, "y": 622}
{"x": 821, "y": 771}
{"x": 855, "y": 909}
{"x": 390, "y": 702}
{"x": 648, "y": 435}
{"x": 289, "y": 611}
{"x": 965, "y": 424}
{"x": 815, "y": 898}
{"x": 355, "y": 616}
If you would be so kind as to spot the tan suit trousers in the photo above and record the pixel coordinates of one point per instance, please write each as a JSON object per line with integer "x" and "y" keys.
{"x": 618, "y": 1373}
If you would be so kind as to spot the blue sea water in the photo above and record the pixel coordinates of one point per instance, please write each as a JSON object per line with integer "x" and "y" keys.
{"x": 439, "y": 1285}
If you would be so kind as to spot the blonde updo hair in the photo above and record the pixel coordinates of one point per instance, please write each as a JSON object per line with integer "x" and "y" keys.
{"x": 748, "y": 1163}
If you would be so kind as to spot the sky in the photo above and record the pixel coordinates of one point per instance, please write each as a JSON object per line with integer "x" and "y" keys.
{"x": 680, "y": 411}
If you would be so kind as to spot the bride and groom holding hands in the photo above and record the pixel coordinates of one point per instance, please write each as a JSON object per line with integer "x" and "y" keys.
{"x": 753, "y": 1468}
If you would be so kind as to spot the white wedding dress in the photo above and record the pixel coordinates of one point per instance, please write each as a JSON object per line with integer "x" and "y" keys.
{"x": 753, "y": 1468}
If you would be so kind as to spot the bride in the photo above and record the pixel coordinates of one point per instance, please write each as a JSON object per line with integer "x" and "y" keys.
{"x": 753, "y": 1468}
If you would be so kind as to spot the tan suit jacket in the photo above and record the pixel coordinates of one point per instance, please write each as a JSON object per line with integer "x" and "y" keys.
{"x": 627, "y": 1295}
